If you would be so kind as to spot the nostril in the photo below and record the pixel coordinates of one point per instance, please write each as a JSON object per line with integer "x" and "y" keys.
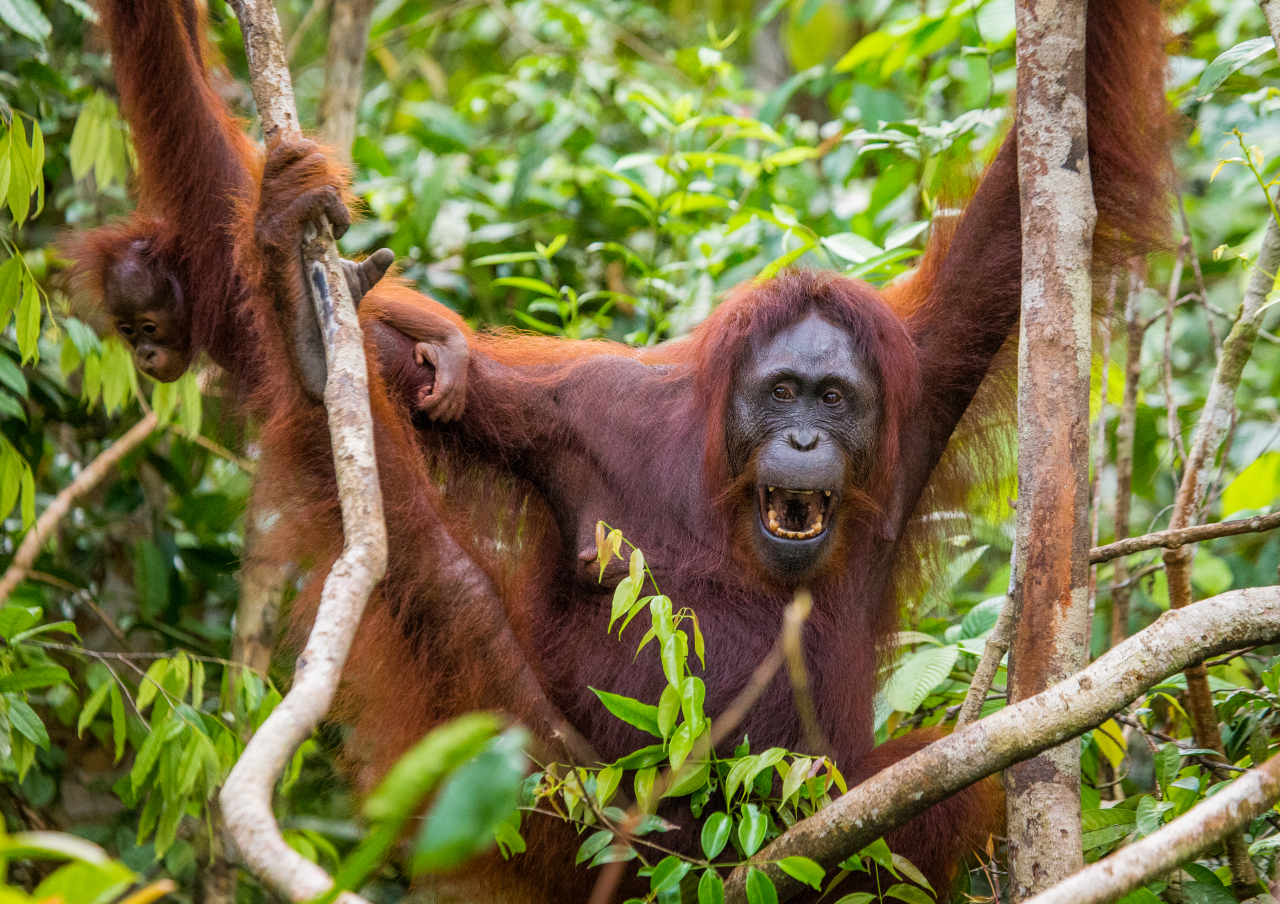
{"x": 803, "y": 443}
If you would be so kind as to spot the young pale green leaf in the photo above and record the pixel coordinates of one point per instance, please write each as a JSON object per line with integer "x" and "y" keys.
{"x": 645, "y": 756}
{"x": 644, "y": 788}
{"x": 675, "y": 654}
{"x": 151, "y": 749}
{"x": 737, "y": 772}
{"x": 710, "y": 888}
{"x": 715, "y": 834}
{"x": 667, "y": 874}
{"x": 24, "y": 719}
{"x": 692, "y": 695}
{"x": 191, "y": 413}
{"x": 766, "y": 760}
{"x": 668, "y": 710}
{"x": 751, "y": 829}
{"x": 880, "y": 854}
{"x": 11, "y": 467}
{"x": 28, "y": 483}
{"x": 858, "y": 897}
{"x": 772, "y": 269}
{"x": 16, "y": 619}
{"x": 60, "y": 627}
{"x": 803, "y": 870}
{"x": 624, "y": 595}
{"x": 21, "y": 183}
{"x": 512, "y": 258}
{"x": 26, "y": 679}
{"x": 633, "y": 712}
{"x": 1231, "y": 61}
{"x": 607, "y": 784}
{"x": 796, "y": 776}
{"x": 681, "y": 745}
{"x": 527, "y": 283}
{"x": 418, "y": 771}
{"x": 91, "y": 707}
{"x": 151, "y": 684}
{"x": 637, "y": 568}
{"x": 760, "y": 888}
{"x": 690, "y": 778}
{"x": 28, "y": 320}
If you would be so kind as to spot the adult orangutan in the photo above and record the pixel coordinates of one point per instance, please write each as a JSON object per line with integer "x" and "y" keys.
{"x": 793, "y": 439}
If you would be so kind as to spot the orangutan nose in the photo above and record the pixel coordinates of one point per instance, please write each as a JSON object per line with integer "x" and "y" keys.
{"x": 803, "y": 442}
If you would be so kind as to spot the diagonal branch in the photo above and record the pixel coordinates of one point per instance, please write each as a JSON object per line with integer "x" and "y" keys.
{"x": 1018, "y": 732}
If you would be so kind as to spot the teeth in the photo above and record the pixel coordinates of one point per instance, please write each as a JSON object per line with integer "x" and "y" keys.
{"x": 771, "y": 489}
{"x": 828, "y": 492}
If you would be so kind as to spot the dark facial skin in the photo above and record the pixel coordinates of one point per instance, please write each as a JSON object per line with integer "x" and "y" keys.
{"x": 146, "y": 308}
{"x": 807, "y": 406}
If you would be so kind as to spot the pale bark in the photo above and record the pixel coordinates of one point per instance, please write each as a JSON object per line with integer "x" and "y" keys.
{"x": 262, "y": 582}
{"x": 1227, "y": 812}
{"x": 246, "y": 796}
{"x": 1051, "y": 576}
{"x": 1172, "y": 539}
{"x": 93, "y": 474}
{"x": 992, "y": 654}
{"x": 1236, "y": 619}
{"x": 344, "y": 74}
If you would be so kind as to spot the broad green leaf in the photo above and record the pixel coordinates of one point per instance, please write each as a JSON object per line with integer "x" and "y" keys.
{"x": 715, "y": 834}
{"x": 681, "y": 745}
{"x": 25, "y": 721}
{"x": 710, "y": 888}
{"x": 26, "y": 679}
{"x": 51, "y": 846}
{"x": 879, "y": 852}
{"x": 624, "y": 595}
{"x": 693, "y": 694}
{"x": 645, "y": 756}
{"x": 981, "y": 618}
{"x": 918, "y": 675}
{"x": 751, "y": 829}
{"x": 851, "y": 247}
{"x": 675, "y": 654}
{"x": 908, "y": 869}
{"x": 796, "y": 776}
{"x": 1168, "y": 761}
{"x": 527, "y": 283}
{"x": 644, "y": 788}
{"x": 803, "y": 870}
{"x": 416, "y": 774}
{"x": 667, "y": 874}
{"x": 668, "y": 710}
{"x": 16, "y": 619}
{"x": 1230, "y": 61}
{"x": 25, "y": 17}
{"x": 692, "y": 776}
{"x": 1110, "y": 740}
{"x": 633, "y": 712}
{"x": 760, "y": 888}
{"x": 85, "y": 883}
{"x": 479, "y": 796}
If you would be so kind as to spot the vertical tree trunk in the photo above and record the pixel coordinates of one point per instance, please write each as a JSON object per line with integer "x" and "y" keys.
{"x": 344, "y": 74}
{"x": 1050, "y": 600}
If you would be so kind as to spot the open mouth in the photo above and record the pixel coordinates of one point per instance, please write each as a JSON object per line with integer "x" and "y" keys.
{"x": 795, "y": 514}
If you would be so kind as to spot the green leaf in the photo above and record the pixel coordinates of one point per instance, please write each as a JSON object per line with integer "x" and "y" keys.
{"x": 593, "y": 845}
{"x": 879, "y": 852}
{"x": 191, "y": 413}
{"x": 16, "y": 619}
{"x": 751, "y": 829}
{"x": 692, "y": 776}
{"x": 150, "y": 684}
{"x": 803, "y": 870}
{"x": 851, "y": 247}
{"x": 760, "y": 888}
{"x": 512, "y": 258}
{"x": 909, "y": 893}
{"x": 1230, "y": 61}
{"x": 607, "y": 784}
{"x": 92, "y": 705}
{"x": 1168, "y": 761}
{"x": 644, "y": 782}
{"x": 981, "y": 618}
{"x": 24, "y": 719}
{"x": 710, "y": 888}
{"x": 435, "y": 756}
{"x": 118, "y": 723}
{"x": 25, "y": 17}
{"x": 667, "y": 874}
{"x": 918, "y": 675}
{"x": 84, "y": 138}
{"x": 858, "y": 897}
{"x": 85, "y": 883}
{"x": 29, "y": 319}
{"x": 25, "y": 679}
{"x": 776, "y": 266}
{"x": 737, "y": 773}
{"x": 525, "y": 282}
{"x": 908, "y": 869}
{"x": 624, "y": 595}
{"x": 633, "y": 712}
{"x": 645, "y": 756}
{"x": 151, "y": 749}
{"x": 715, "y": 834}
{"x": 675, "y": 654}
{"x": 474, "y": 801}
{"x": 796, "y": 776}
{"x": 21, "y": 183}
{"x": 668, "y": 710}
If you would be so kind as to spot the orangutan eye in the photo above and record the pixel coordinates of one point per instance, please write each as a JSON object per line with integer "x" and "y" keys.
{"x": 125, "y": 329}
{"x": 149, "y": 329}
{"x": 831, "y": 397}
{"x": 782, "y": 392}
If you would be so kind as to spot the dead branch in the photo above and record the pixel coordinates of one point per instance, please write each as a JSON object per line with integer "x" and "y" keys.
{"x": 1226, "y": 813}
{"x": 87, "y": 479}
{"x": 1236, "y": 619}
{"x": 1173, "y": 539}
{"x": 246, "y": 796}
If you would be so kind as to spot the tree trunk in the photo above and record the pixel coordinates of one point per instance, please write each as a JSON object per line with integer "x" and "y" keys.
{"x": 344, "y": 74}
{"x": 1051, "y": 574}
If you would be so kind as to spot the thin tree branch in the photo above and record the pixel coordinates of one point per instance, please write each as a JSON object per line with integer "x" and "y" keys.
{"x": 1126, "y": 429}
{"x": 1238, "y": 618}
{"x": 344, "y": 74}
{"x": 992, "y": 655}
{"x": 1226, "y": 813}
{"x": 246, "y": 796}
{"x": 93, "y": 474}
{"x": 1175, "y": 538}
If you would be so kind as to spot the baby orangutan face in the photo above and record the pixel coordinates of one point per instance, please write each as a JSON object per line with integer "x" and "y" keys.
{"x": 144, "y": 302}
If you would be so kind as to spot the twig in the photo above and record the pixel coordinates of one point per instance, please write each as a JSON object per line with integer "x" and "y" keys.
{"x": 1226, "y": 813}
{"x": 792, "y": 625}
{"x": 1172, "y": 425}
{"x": 992, "y": 655}
{"x": 1100, "y": 440}
{"x": 244, "y": 464}
{"x": 1176, "y": 537}
{"x": 1084, "y": 701}
{"x": 315, "y": 11}
{"x": 247, "y": 795}
{"x": 90, "y": 477}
